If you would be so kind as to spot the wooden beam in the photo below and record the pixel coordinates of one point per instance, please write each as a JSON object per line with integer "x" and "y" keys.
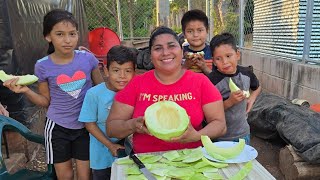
{"x": 294, "y": 167}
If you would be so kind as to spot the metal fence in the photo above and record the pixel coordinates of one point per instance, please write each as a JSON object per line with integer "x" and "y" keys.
{"x": 288, "y": 28}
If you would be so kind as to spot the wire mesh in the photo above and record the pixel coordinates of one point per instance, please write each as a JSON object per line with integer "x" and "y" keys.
{"x": 270, "y": 26}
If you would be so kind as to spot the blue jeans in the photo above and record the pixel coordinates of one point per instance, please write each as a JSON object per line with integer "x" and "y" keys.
{"x": 246, "y": 138}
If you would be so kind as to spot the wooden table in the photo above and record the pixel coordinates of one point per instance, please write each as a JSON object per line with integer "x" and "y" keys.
{"x": 257, "y": 173}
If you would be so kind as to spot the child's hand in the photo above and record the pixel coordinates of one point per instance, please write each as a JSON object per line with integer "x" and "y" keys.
{"x": 3, "y": 110}
{"x": 199, "y": 61}
{"x": 236, "y": 97}
{"x": 12, "y": 85}
{"x": 250, "y": 102}
{"x": 189, "y": 60}
{"x": 114, "y": 149}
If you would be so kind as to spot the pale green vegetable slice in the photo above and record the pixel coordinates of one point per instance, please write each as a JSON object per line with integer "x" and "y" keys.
{"x": 162, "y": 177}
{"x": 178, "y": 164}
{"x": 213, "y": 175}
{"x": 207, "y": 169}
{"x": 209, "y": 147}
{"x": 194, "y": 156}
{"x": 136, "y": 177}
{"x": 198, "y": 176}
{"x": 232, "y": 86}
{"x": 201, "y": 164}
{"x": 171, "y": 155}
{"x": 159, "y": 172}
{"x": 181, "y": 158}
{"x": 132, "y": 170}
{"x": 243, "y": 172}
{"x": 144, "y": 156}
{"x": 23, "y": 80}
{"x": 181, "y": 173}
{"x": 166, "y": 119}
{"x": 226, "y": 153}
{"x": 215, "y": 164}
{"x": 123, "y": 161}
{"x": 152, "y": 159}
{"x": 155, "y": 166}
{"x": 186, "y": 151}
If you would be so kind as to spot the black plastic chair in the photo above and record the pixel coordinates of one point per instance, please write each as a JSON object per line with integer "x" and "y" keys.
{"x": 25, "y": 174}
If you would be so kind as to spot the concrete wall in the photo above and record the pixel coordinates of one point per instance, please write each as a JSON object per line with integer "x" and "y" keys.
{"x": 285, "y": 77}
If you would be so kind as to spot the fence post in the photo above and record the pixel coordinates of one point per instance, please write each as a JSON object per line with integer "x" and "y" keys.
{"x": 211, "y": 34}
{"x": 241, "y": 24}
{"x": 189, "y": 5}
{"x": 119, "y": 21}
{"x": 209, "y": 17}
{"x": 307, "y": 31}
{"x": 69, "y": 6}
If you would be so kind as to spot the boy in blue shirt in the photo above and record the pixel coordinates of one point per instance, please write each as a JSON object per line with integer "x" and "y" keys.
{"x": 96, "y": 106}
{"x": 197, "y": 53}
{"x": 236, "y": 104}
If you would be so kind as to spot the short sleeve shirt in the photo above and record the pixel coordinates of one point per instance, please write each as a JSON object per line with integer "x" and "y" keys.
{"x": 236, "y": 117}
{"x": 192, "y": 91}
{"x": 68, "y": 84}
{"x": 95, "y": 108}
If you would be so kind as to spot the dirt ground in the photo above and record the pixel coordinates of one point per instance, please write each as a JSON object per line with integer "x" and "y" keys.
{"x": 268, "y": 155}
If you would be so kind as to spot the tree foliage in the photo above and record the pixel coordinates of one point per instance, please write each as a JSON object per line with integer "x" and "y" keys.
{"x": 137, "y": 12}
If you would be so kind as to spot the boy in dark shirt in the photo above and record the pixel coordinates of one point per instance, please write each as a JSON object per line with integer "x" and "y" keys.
{"x": 195, "y": 29}
{"x": 236, "y": 104}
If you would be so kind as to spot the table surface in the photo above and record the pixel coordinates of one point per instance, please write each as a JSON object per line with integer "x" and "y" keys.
{"x": 257, "y": 172}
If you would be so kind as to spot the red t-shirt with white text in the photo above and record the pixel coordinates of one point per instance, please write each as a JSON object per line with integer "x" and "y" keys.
{"x": 191, "y": 91}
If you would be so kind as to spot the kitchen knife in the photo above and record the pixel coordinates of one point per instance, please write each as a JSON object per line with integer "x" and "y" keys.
{"x": 142, "y": 167}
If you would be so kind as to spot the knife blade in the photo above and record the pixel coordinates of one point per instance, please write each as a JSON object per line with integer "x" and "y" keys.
{"x": 141, "y": 166}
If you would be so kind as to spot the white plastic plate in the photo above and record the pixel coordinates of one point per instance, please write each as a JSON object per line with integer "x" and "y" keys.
{"x": 249, "y": 153}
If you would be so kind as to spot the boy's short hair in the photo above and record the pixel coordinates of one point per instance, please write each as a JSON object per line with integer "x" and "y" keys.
{"x": 193, "y": 15}
{"x": 121, "y": 54}
{"x": 224, "y": 38}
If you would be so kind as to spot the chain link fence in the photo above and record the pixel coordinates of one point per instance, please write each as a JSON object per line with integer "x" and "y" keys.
{"x": 280, "y": 27}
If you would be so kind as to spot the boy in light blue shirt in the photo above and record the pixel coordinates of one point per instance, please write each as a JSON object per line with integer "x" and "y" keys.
{"x": 96, "y": 106}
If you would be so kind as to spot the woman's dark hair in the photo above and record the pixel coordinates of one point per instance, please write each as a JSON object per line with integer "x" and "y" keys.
{"x": 52, "y": 18}
{"x": 162, "y": 30}
{"x": 121, "y": 55}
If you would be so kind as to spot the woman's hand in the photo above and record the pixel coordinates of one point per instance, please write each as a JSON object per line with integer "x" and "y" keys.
{"x": 12, "y": 85}
{"x": 139, "y": 126}
{"x": 190, "y": 135}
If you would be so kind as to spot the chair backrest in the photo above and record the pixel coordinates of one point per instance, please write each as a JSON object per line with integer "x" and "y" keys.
{"x": 12, "y": 124}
